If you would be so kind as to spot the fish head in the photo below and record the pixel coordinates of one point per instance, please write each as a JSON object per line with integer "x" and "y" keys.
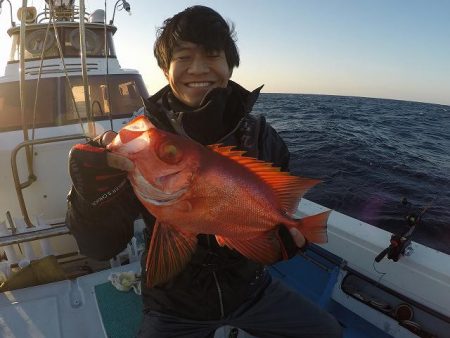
{"x": 165, "y": 163}
{"x": 129, "y": 140}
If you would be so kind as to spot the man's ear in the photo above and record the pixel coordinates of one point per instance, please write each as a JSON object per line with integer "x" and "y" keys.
{"x": 166, "y": 74}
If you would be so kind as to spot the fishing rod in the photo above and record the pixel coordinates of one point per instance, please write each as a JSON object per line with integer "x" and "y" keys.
{"x": 399, "y": 242}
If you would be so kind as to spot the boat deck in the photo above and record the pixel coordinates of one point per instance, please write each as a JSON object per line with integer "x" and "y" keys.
{"x": 316, "y": 277}
{"x": 89, "y": 306}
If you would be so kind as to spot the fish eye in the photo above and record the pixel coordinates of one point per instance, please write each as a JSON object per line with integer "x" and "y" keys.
{"x": 170, "y": 153}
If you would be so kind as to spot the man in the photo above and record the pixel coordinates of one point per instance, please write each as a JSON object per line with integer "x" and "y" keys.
{"x": 197, "y": 53}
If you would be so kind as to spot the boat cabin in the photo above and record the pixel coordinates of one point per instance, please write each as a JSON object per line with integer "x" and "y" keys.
{"x": 52, "y": 81}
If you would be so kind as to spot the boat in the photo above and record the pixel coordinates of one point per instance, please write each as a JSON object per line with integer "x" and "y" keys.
{"x": 44, "y": 111}
{"x": 60, "y": 88}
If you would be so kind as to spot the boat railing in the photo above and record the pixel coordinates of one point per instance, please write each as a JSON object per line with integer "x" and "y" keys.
{"x": 41, "y": 233}
{"x": 35, "y": 234}
{"x": 60, "y": 13}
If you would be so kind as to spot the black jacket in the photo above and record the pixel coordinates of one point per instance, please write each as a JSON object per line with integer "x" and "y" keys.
{"x": 217, "y": 280}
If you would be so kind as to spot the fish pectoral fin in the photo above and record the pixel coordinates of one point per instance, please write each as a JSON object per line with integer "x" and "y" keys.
{"x": 264, "y": 249}
{"x": 170, "y": 250}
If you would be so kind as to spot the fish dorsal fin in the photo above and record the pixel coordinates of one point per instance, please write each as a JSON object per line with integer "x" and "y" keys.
{"x": 288, "y": 189}
{"x": 169, "y": 252}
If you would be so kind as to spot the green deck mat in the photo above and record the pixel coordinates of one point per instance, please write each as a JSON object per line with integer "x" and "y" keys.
{"x": 121, "y": 311}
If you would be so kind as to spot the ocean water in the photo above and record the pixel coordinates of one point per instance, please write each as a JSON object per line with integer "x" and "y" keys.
{"x": 370, "y": 154}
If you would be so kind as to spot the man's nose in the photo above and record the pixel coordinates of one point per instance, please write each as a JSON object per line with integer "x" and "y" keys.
{"x": 198, "y": 65}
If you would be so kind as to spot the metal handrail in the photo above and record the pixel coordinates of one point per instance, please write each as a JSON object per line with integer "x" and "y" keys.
{"x": 31, "y": 235}
{"x": 20, "y": 186}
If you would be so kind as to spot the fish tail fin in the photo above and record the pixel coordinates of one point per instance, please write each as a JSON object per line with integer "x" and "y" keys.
{"x": 169, "y": 252}
{"x": 314, "y": 227}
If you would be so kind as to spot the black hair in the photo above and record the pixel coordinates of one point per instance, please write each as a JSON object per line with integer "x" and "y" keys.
{"x": 200, "y": 25}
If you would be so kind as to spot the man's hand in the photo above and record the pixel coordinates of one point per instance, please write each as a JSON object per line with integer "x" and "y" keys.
{"x": 298, "y": 238}
{"x": 97, "y": 175}
{"x": 119, "y": 162}
{"x": 114, "y": 160}
{"x": 291, "y": 241}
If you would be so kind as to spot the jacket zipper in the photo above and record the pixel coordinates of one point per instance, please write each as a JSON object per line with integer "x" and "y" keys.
{"x": 219, "y": 289}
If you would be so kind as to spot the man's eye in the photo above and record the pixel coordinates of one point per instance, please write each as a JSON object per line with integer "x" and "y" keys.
{"x": 214, "y": 54}
{"x": 182, "y": 57}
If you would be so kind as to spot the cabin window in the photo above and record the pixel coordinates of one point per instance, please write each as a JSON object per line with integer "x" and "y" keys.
{"x": 55, "y": 105}
{"x": 10, "y": 110}
{"x": 69, "y": 38}
{"x": 34, "y": 44}
{"x": 95, "y": 42}
{"x": 119, "y": 96}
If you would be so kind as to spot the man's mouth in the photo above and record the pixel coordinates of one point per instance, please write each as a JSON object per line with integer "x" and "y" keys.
{"x": 199, "y": 84}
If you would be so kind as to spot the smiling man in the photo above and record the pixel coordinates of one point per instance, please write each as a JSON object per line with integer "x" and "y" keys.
{"x": 197, "y": 53}
{"x": 196, "y": 50}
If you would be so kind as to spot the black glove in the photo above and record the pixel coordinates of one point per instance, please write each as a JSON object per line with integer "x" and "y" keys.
{"x": 92, "y": 178}
{"x": 288, "y": 247}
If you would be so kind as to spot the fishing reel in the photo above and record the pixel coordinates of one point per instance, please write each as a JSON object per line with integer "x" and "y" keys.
{"x": 400, "y": 242}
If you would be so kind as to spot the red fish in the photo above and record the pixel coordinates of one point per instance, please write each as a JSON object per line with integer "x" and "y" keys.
{"x": 192, "y": 189}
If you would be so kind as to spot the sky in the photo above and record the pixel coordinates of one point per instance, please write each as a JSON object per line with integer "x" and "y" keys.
{"x": 398, "y": 49}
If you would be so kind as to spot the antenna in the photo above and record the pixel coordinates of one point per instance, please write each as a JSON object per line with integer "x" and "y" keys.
{"x": 13, "y": 24}
{"x": 124, "y": 5}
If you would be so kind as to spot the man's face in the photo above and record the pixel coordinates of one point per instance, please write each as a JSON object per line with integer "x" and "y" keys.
{"x": 193, "y": 72}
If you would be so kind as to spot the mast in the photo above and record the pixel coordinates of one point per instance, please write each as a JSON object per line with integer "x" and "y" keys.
{"x": 87, "y": 101}
{"x": 29, "y": 158}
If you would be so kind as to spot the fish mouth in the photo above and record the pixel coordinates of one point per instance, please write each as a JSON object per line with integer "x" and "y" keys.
{"x": 153, "y": 194}
{"x": 162, "y": 200}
